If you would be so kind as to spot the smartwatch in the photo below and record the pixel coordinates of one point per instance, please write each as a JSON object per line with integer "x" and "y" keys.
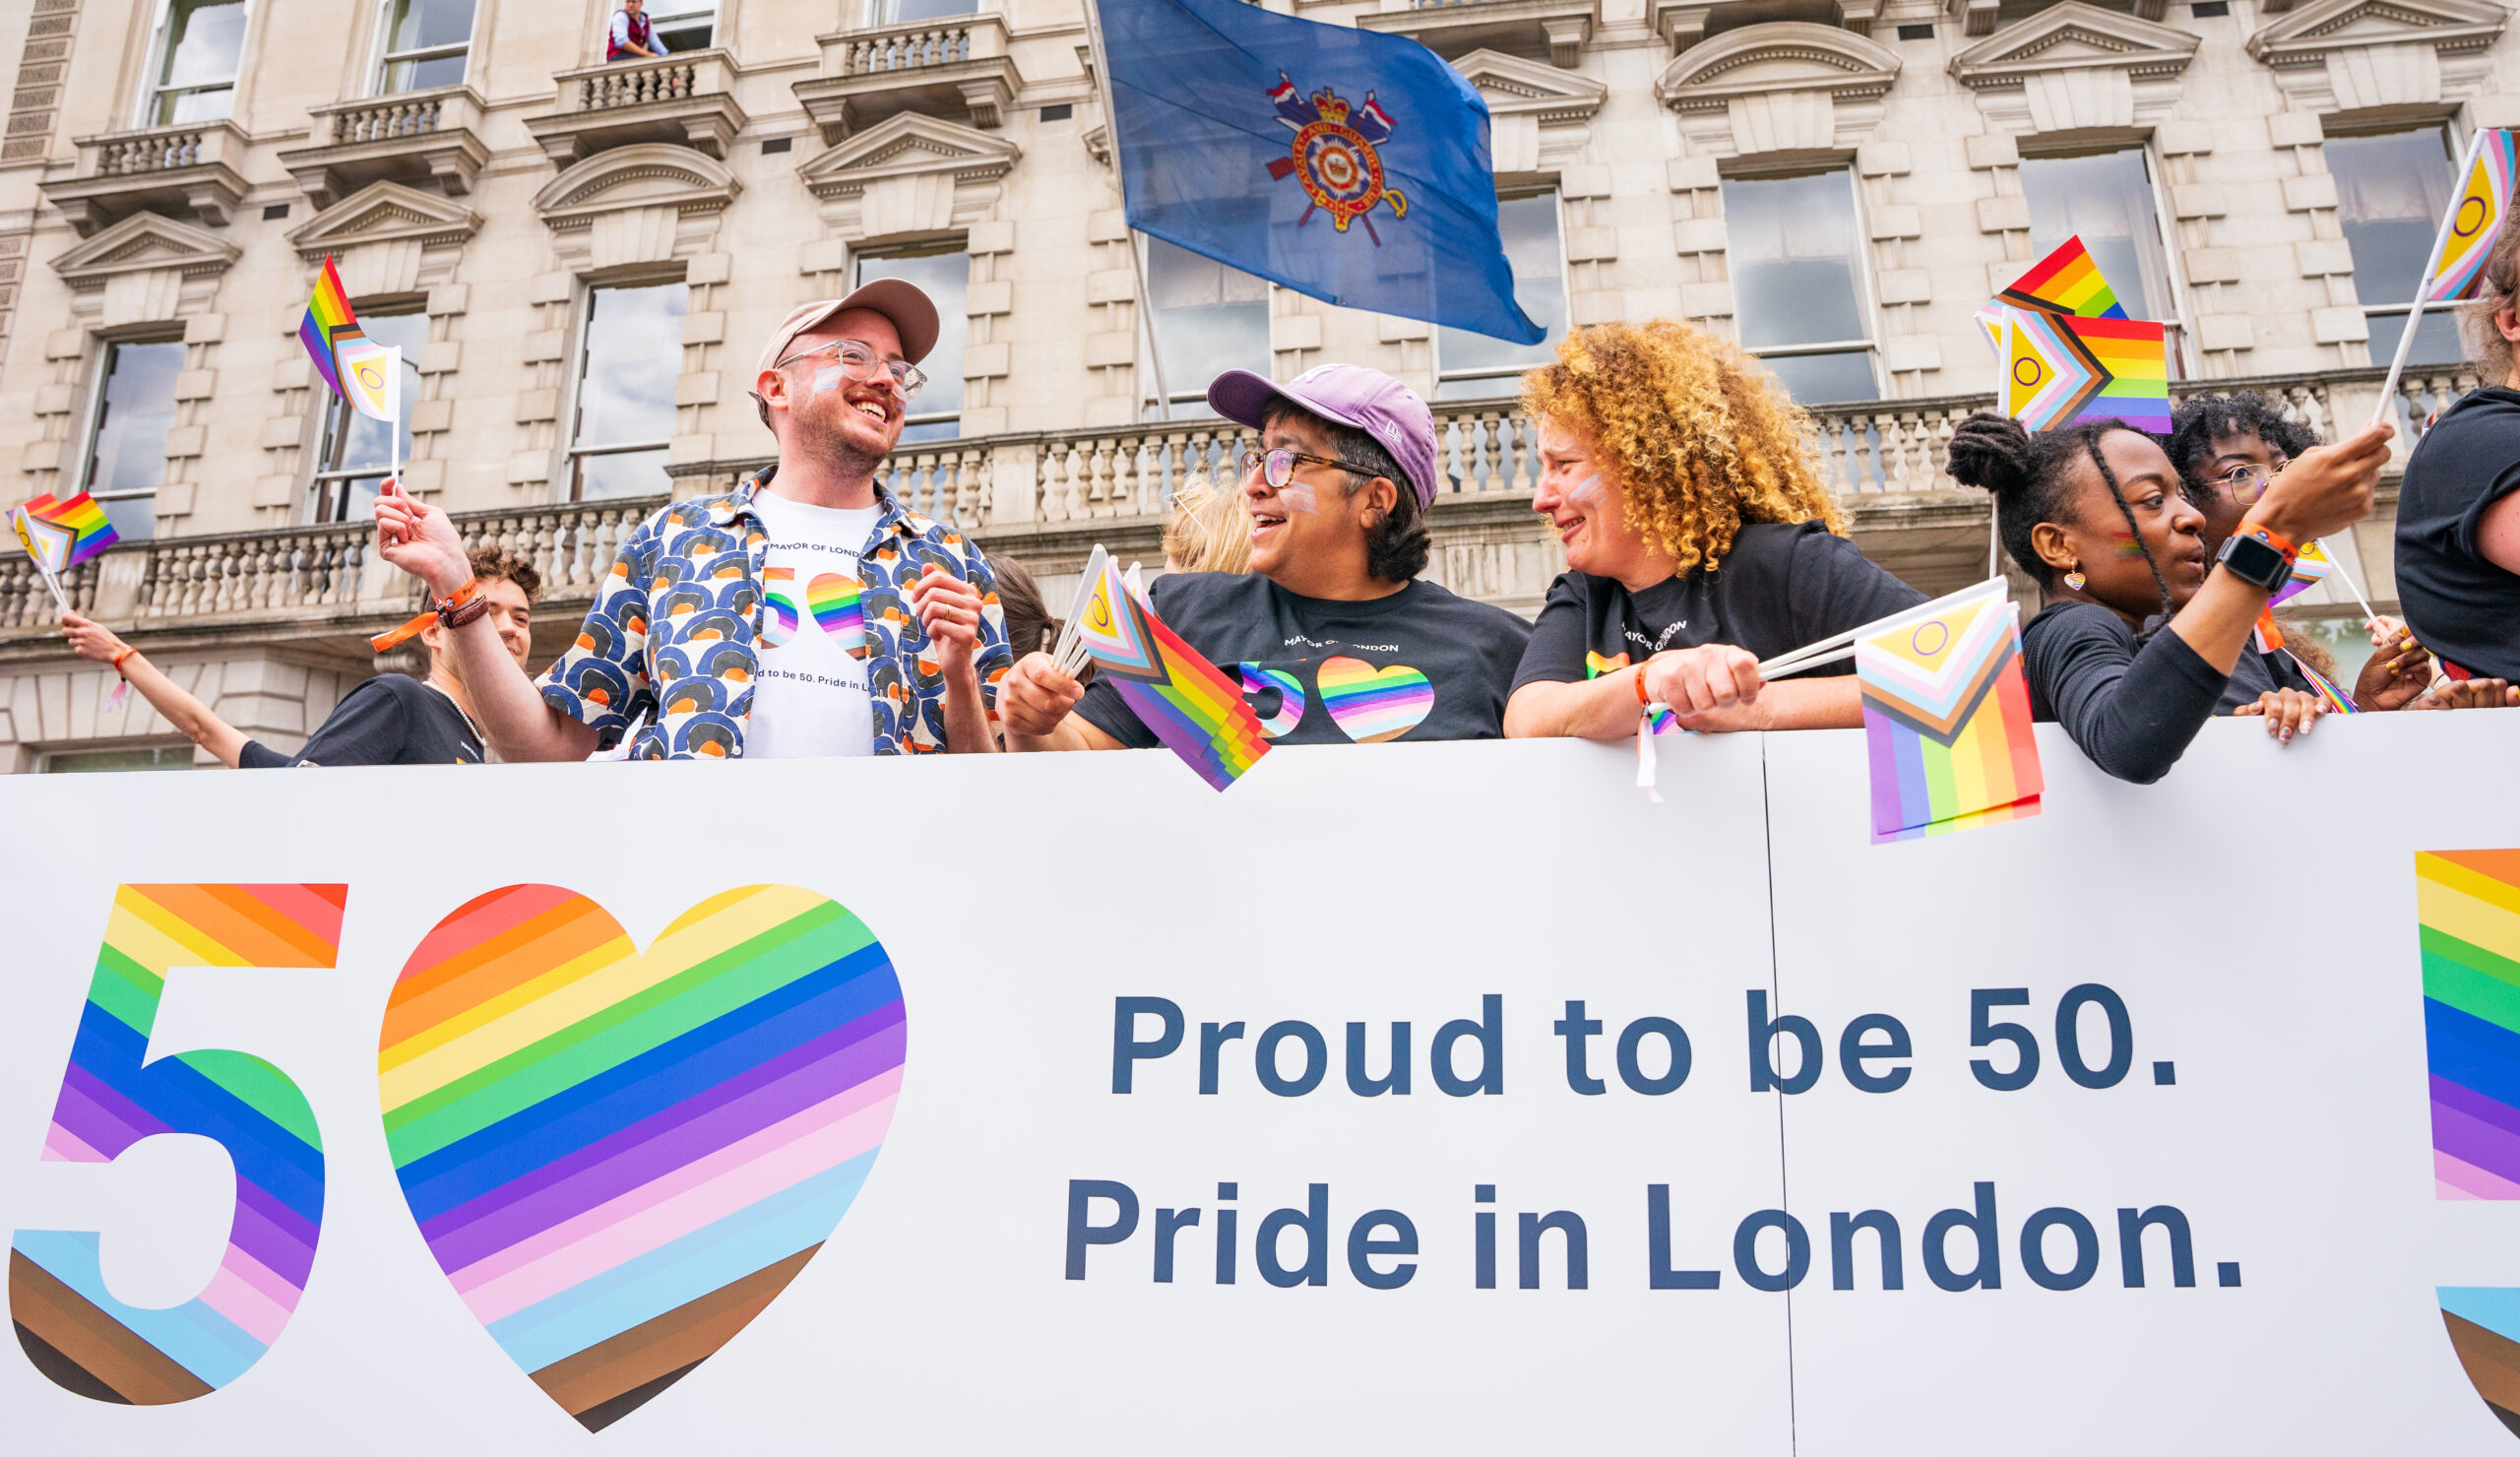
{"x": 2259, "y": 563}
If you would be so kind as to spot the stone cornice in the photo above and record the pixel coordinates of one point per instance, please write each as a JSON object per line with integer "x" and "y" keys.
{"x": 2074, "y": 37}
{"x": 2307, "y": 36}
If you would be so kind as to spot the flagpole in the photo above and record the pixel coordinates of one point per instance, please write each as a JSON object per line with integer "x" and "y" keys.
{"x": 54, "y": 583}
{"x": 1137, "y": 264}
{"x": 2424, "y": 282}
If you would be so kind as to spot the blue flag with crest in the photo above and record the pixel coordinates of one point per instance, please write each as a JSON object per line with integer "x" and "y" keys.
{"x": 1346, "y": 165}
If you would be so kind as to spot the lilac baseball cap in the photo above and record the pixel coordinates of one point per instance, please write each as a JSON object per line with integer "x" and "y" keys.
{"x": 1349, "y": 395}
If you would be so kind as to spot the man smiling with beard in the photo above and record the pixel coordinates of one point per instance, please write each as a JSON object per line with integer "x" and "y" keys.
{"x": 1336, "y": 638}
{"x": 803, "y": 614}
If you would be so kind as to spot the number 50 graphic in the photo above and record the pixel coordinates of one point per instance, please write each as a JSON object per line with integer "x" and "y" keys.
{"x": 113, "y": 1097}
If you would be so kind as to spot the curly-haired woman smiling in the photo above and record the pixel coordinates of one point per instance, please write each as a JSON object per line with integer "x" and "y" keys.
{"x": 1699, "y": 540}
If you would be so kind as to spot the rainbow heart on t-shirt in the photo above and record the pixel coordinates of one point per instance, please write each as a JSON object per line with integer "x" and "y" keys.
{"x": 779, "y": 627}
{"x": 1257, "y": 680}
{"x": 1370, "y": 706}
{"x": 833, "y": 600}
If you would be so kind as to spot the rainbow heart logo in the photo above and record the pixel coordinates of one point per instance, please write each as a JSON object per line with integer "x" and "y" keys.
{"x": 779, "y": 627}
{"x": 620, "y": 1158}
{"x": 839, "y": 610}
{"x": 1370, "y": 706}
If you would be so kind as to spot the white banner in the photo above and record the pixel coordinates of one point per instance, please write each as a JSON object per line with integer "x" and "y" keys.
{"x": 1132, "y": 1013}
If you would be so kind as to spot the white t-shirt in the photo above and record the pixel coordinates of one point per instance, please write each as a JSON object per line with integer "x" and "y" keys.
{"x": 809, "y": 699}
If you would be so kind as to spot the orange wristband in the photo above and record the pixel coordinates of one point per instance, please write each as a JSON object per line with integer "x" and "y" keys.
{"x": 116, "y": 663}
{"x": 2263, "y": 533}
{"x": 1642, "y": 701}
{"x": 439, "y": 611}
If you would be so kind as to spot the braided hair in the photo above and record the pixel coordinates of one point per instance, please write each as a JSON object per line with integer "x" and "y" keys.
{"x": 2031, "y": 477}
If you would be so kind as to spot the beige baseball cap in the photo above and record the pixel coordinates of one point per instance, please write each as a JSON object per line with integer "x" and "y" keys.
{"x": 912, "y": 312}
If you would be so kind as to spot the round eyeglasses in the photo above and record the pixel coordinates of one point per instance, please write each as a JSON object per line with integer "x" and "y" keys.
{"x": 863, "y": 363}
{"x": 1278, "y": 467}
{"x": 2246, "y": 483}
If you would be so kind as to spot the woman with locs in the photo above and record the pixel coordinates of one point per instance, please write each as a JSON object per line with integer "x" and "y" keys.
{"x": 2143, "y": 638}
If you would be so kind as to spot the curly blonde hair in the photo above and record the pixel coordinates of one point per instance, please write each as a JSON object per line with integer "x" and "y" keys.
{"x": 1704, "y": 439}
{"x": 1209, "y": 528}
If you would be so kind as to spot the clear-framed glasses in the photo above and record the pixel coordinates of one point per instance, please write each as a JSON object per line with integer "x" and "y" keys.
{"x": 862, "y": 363}
{"x": 1278, "y": 466}
{"x": 2246, "y": 483}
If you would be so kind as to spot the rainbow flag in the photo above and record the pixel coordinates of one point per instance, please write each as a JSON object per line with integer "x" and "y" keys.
{"x": 1946, "y": 718}
{"x": 2134, "y": 355}
{"x": 2310, "y": 569}
{"x": 330, "y": 322}
{"x": 1196, "y": 711}
{"x": 2065, "y": 281}
{"x": 2476, "y": 215}
{"x": 2338, "y": 701}
{"x": 2468, "y": 927}
{"x": 60, "y": 535}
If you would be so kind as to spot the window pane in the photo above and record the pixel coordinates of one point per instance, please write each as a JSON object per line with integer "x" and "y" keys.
{"x": 685, "y": 25}
{"x": 210, "y": 104}
{"x": 1792, "y": 247}
{"x": 1529, "y": 226}
{"x": 2436, "y": 336}
{"x": 100, "y": 761}
{"x": 421, "y": 25}
{"x": 2107, "y": 200}
{"x": 1826, "y": 379}
{"x": 411, "y": 76}
{"x": 630, "y": 358}
{"x": 895, "y": 12}
{"x": 2390, "y": 193}
{"x": 1208, "y": 318}
{"x": 130, "y": 453}
{"x": 945, "y": 277}
{"x": 351, "y": 441}
{"x": 203, "y": 40}
{"x": 628, "y": 473}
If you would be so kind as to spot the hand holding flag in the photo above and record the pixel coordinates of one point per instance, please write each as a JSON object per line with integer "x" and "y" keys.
{"x": 1196, "y": 712}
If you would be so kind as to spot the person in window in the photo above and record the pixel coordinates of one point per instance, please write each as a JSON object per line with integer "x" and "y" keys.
{"x": 1334, "y": 638}
{"x": 803, "y": 614}
{"x": 390, "y": 719}
{"x": 2228, "y": 448}
{"x": 2143, "y": 638}
{"x": 1698, "y": 538}
{"x": 2458, "y": 548}
{"x": 632, "y": 37}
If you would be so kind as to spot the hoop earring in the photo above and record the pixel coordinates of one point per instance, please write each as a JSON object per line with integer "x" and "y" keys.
{"x": 2074, "y": 580}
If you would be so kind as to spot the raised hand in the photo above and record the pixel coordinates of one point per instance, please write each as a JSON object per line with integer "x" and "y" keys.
{"x": 1034, "y": 696}
{"x": 2325, "y": 489}
{"x": 421, "y": 540}
{"x": 2396, "y": 674}
{"x": 88, "y": 640}
{"x": 949, "y": 607}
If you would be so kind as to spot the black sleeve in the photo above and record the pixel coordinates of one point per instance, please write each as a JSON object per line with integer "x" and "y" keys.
{"x": 2133, "y": 713}
{"x": 366, "y": 727}
{"x": 1554, "y": 652}
{"x": 1830, "y": 586}
{"x": 258, "y": 755}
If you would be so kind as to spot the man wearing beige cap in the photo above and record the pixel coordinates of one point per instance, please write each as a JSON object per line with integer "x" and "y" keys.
{"x": 804, "y": 614}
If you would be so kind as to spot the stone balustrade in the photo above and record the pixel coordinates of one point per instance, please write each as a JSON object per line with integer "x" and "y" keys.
{"x": 1876, "y": 451}
{"x": 904, "y": 48}
{"x": 387, "y": 119}
{"x": 635, "y": 85}
{"x": 160, "y": 149}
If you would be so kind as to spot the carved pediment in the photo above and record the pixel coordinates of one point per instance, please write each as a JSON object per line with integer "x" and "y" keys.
{"x": 1513, "y": 87}
{"x": 1779, "y": 56}
{"x": 2306, "y": 37}
{"x": 142, "y": 242}
{"x": 910, "y": 144}
{"x": 654, "y": 175}
{"x": 384, "y": 212}
{"x": 2074, "y": 37}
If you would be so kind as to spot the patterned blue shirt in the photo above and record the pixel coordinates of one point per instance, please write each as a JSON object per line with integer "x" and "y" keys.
{"x": 674, "y": 630}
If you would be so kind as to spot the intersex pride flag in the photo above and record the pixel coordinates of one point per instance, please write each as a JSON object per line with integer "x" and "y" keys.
{"x": 1194, "y": 708}
{"x": 1946, "y": 718}
{"x": 1346, "y": 165}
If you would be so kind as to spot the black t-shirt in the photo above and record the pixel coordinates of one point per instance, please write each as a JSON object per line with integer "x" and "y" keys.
{"x": 1782, "y": 586}
{"x": 2462, "y": 607}
{"x": 390, "y": 719}
{"x": 1421, "y": 664}
{"x": 2131, "y": 709}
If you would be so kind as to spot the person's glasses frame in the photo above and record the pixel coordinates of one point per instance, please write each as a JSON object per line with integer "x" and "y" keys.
{"x": 2246, "y": 483}
{"x": 1278, "y": 467}
{"x": 862, "y": 363}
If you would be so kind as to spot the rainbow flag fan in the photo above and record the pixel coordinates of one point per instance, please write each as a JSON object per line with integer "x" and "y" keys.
{"x": 1198, "y": 713}
{"x": 330, "y": 323}
{"x": 1946, "y": 718}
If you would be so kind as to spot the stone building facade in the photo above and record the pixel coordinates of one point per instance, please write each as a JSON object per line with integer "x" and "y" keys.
{"x": 579, "y": 261}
